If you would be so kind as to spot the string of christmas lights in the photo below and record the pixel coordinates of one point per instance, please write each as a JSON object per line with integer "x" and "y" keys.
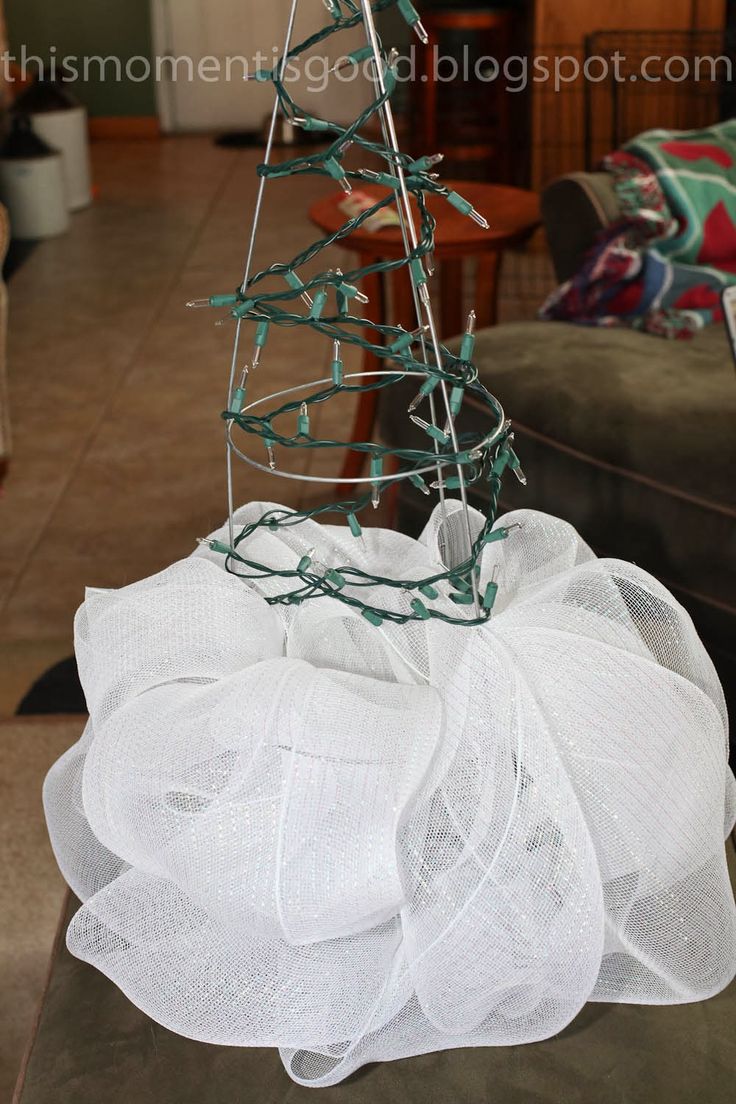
{"x": 325, "y": 303}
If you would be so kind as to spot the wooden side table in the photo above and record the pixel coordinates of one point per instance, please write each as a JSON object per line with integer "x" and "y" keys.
{"x": 513, "y": 215}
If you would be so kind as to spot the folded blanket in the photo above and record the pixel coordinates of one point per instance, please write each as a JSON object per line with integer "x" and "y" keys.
{"x": 663, "y": 267}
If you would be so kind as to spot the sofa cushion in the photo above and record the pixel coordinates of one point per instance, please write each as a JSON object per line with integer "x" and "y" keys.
{"x": 665, "y": 410}
{"x": 630, "y": 438}
{"x": 92, "y": 1045}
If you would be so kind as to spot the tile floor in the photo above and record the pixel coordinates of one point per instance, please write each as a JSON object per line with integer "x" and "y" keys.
{"x": 116, "y": 389}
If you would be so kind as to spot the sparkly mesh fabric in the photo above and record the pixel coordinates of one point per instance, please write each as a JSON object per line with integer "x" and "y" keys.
{"x": 292, "y": 829}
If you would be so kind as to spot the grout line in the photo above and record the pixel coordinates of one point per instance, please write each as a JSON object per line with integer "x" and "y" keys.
{"x": 124, "y": 375}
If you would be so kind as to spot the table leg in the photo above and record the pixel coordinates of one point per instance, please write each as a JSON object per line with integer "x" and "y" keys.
{"x": 451, "y": 303}
{"x": 403, "y": 311}
{"x": 486, "y": 289}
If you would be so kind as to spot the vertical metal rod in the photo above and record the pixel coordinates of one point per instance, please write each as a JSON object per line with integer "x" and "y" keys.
{"x": 418, "y": 312}
{"x": 249, "y": 262}
{"x": 425, "y": 300}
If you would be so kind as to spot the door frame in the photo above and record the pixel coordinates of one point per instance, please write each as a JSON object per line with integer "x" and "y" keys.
{"x": 162, "y": 39}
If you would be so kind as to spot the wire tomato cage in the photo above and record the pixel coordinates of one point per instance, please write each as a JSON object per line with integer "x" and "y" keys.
{"x": 326, "y": 303}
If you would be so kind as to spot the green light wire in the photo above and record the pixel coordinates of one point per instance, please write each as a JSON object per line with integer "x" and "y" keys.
{"x": 484, "y": 458}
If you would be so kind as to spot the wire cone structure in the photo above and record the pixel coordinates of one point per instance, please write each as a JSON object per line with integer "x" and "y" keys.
{"x": 360, "y": 797}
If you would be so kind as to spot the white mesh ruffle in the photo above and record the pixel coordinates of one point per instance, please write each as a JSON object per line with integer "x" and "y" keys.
{"x": 292, "y": 829}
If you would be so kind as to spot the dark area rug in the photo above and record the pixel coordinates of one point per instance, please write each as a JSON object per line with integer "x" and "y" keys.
{"x": 252, "y": 139}
{"x": 239, "y": 139}
{"x": 18, "y": 254}
{"x": 58, "y": 691}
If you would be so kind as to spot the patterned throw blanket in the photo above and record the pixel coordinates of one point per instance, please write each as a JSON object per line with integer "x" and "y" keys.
{"x": 662, "y": 268}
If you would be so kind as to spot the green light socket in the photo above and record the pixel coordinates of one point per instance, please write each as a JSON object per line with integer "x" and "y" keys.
{"x": 401, "y": 344}
{"x": 417, "y": 269}
{"x": 420, "y": 609}
{"x": 238, "y": 401}
{"x": 468, "y": 347}
{"x": 372, "y": 617}
{"x": 318, "y": 305}
{"x": 491, "y": 594}
{"x": 459, "y": 203}
{"x": 243, "y": 308}
{"x": 224, "y": 300}
{"x": 409, "y": 12}
{"x": 495, "y": 536}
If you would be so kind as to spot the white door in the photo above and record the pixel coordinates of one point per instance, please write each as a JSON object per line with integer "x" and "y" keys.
{"x": 212, "y": 41}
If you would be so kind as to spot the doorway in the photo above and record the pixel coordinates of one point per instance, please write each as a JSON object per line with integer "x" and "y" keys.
{"x": 209, "y": 45}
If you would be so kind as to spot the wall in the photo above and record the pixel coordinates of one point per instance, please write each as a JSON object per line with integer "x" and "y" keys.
{"x": 89, "y": 27}
{"x": 563, "y": 21}
{"x": 558, "y": 119}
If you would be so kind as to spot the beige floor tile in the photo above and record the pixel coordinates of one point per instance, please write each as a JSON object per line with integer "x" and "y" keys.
{"x": 120, "y": 466}
{"x": 79, "y": 311}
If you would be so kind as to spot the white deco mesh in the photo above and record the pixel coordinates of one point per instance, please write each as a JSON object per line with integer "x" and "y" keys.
{"x": 292, "y": 829}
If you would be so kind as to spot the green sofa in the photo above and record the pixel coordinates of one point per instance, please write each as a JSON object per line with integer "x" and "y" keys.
{"x": 631, "y": 438}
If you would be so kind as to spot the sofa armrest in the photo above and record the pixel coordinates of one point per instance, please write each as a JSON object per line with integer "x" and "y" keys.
{"x": 574, "y": 209}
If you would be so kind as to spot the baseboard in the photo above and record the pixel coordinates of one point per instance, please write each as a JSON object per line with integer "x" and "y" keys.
{"x": 122, "y": 127}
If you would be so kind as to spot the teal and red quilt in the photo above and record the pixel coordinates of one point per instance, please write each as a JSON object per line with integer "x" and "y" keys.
{"x": 663, "y": 266}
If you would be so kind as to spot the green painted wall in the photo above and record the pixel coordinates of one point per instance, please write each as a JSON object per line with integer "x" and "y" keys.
{"x": 120, "y": 28}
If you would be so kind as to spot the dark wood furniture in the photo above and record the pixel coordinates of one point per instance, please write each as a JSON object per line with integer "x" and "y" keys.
{"x": 467, "y": 116}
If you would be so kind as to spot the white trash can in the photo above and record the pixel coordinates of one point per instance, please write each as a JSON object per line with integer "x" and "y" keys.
{"x": 67, "y": 132}
{"x": 61, "y": 121}
{"x": 32, "y": 185}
